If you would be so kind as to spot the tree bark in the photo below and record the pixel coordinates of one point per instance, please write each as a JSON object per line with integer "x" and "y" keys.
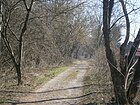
{"x": 16, "y": 62}
{"x": 133, "y": 88}
{"x": 123, "y": 62}
{"x": 117, "y": 77}
{"x": 0, "y": 27}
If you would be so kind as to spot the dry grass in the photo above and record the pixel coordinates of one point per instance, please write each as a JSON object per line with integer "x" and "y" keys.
{"x": 99, "y": 76}
{"x": 33, "y": 77}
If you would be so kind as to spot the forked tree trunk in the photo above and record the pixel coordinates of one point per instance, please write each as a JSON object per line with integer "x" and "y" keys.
{"x": 124, "y": 92}
{"x": 117, "y": 77}
{"x": 133, "y": 88}
{"x": 17, "y": 62}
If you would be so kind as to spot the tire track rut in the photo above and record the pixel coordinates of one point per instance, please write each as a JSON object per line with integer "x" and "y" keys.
{"x": 60, "y": 90}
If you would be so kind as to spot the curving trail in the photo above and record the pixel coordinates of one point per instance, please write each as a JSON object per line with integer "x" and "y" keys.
{"x": 61, "y": 90}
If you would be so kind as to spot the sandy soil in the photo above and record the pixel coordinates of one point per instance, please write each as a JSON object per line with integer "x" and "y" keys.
{"x": 61, "y": 90}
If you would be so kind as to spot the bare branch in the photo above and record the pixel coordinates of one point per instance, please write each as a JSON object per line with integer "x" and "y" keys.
{"x": 15, "y": 5}
{"x": 128, "y": 74}
{"x": 13, "y": 33}
{"x": 116, "y": 69}
{"x": 127, "y": 23}
{"x": 123, "y": 16}
{"x": 25, "y": 4}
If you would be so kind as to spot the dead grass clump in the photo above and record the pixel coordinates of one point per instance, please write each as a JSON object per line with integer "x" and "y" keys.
{"x": 32, "y": 78}
{"x": 100, "y": 79}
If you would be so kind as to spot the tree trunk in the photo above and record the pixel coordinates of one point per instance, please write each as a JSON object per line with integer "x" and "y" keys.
{"x": 117, "y": 77}
{"x": 133, "y": 88}
{"x": 17, "y": 62}
{"x": 18, "y": 71}
{"x": 0, "y": 27}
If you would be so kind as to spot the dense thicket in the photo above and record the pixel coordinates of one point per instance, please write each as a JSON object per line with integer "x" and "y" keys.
{"x": 36, "y": 33}
{"x": 40, "y": 33}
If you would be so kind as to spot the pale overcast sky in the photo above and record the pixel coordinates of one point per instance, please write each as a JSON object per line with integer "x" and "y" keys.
{"x": 134, "y": 19}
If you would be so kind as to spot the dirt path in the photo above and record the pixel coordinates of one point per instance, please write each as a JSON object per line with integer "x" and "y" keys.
{"x": 61, "y": 90}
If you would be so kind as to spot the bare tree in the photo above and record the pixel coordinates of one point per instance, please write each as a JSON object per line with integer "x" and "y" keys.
{"x": 6, "y": 19}
{"x": 0, "y": 26}
{"x": 120, "y": 79}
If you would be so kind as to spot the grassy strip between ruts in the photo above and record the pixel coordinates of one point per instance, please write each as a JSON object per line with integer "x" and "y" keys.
{"x": 72, "y": 75}
{"x": 49, "y": 75}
